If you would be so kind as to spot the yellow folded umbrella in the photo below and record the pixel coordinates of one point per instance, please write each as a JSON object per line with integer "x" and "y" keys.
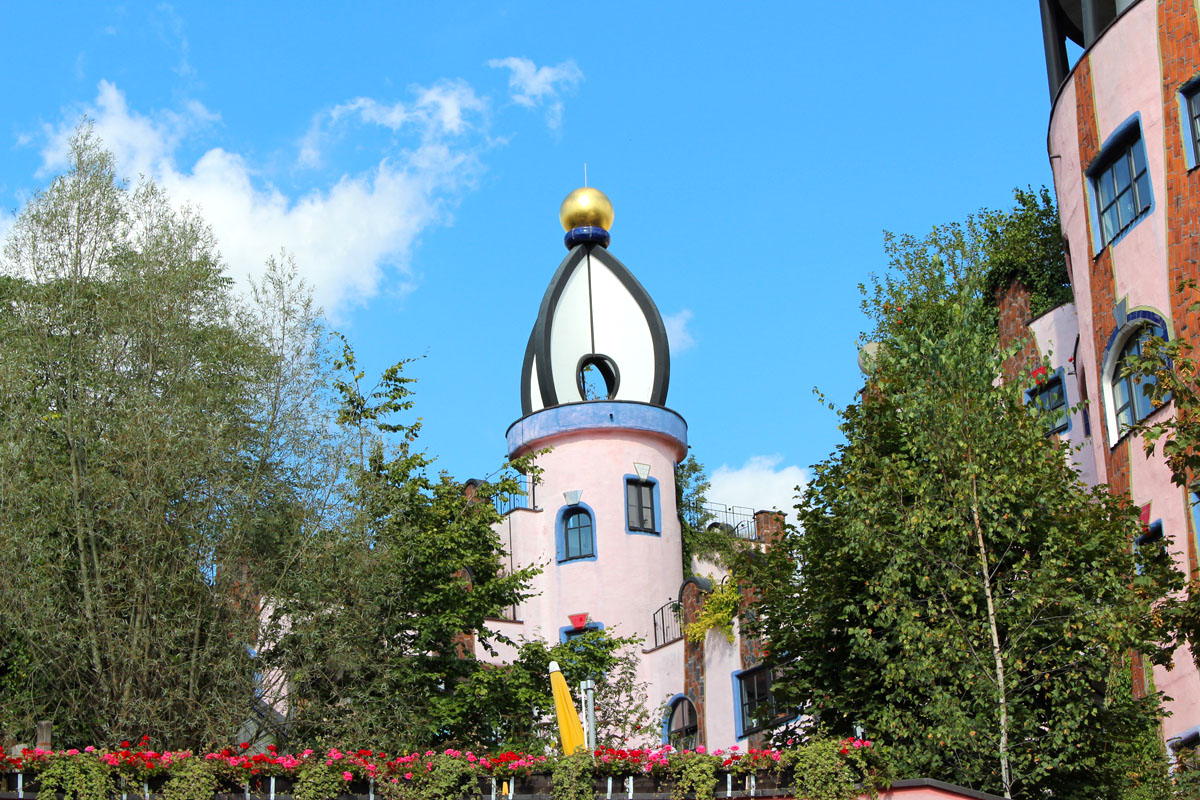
{"x": 569, "y": 727}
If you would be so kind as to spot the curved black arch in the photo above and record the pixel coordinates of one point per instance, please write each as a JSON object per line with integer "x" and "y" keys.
{"x": 605, "y": 366}
{"x": 539, "y": 349}
{"x": 527, "y": 376}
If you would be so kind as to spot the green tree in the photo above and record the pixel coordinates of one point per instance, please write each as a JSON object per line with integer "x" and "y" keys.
{"x": 136, "y": 492}
{"x": 691, "y": 487}
{"x": 371, "y": 629}
{"x": 1025, "y": 243}
{"x": 952, "y": 587}
{"x": 511, "y": 706}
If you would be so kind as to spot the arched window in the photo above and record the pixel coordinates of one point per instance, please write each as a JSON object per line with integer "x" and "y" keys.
{"x": 1130, "y": 403}
{"x": 579, "y": 540}
{"x": 683, "y": 726}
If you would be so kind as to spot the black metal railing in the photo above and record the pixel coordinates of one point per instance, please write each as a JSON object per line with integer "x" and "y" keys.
{"x": 667, "y": 626}
{"x": 737, "y": 521}
{"x": 514, "y": 501}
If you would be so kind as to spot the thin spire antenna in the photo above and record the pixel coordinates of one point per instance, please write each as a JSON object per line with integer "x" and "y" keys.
{"x": 585, "y": 174}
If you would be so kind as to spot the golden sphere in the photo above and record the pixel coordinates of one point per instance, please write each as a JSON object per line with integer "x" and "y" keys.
{"x": 585, "y": 207}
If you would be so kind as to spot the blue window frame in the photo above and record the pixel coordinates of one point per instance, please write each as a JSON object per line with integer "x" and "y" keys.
{"x": 1189, "y": 111}
{"x": 567, "y": 633}
{"x": 575, "y": 538}
{"x": 1120, "y": 183}
{"x": 1050, "y": 398}
{"x": 1194, "y": 501}
{"x": 681, "y": 727}
{"x": 756, "y": 708}
{"x": 578, "y": 536}
{"x": 1131, "y": 404}
{"x": 643, "y": 512}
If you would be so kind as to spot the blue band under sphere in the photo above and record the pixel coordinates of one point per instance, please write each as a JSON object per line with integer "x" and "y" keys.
{"x": 588, "y": 234}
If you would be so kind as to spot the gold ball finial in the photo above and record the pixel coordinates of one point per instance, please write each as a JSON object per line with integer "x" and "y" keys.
{"x": 586, "y": 207}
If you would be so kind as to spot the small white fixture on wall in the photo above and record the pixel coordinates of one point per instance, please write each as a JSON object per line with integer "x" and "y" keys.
{"x": 643, "y": 470}
{"x": 572, "y": 497}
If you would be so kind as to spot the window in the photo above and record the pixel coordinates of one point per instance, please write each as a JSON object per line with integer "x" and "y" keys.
{"x": 1191, "y": 121}
{"x": 578, "y": 538}
{"x": 1050, "y": 398}
{"x": 1129, "y": 400}
{"x": 575, "y": 530}
{"x": 568, "y": 634}
{"x": 755, "y": 702}
{"x": 639, "y": 506}
{"x": 1122, "y": 186}
{"x": 683, "y": 726}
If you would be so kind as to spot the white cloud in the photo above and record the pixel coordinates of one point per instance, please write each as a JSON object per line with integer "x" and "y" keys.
{"x": 678, "y": 335}
{"x": 170, "y": 30}
{"x": 351, "y": 238}
{"x": 532, "y": 86}
{"x": 762, "y": 483}
{"x": 439, "y": 111}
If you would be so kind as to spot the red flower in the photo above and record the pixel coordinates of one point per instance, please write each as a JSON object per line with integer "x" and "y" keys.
{"x": 244, "y": 745}
{"x": 1039, "y": 373}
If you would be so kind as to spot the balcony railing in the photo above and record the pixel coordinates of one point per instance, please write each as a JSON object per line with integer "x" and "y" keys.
{"x": 507, "y": 504}
{"x": 667, "y": 626}
{"x": 737, "y": 521}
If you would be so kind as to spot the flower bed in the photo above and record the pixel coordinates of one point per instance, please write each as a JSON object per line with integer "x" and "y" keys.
{"x": 132, "y": 772}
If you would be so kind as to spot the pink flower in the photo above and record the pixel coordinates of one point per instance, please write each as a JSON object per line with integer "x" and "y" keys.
{"x": 700, "y": 749}
{"x": 89, "y": 749}
{"x": 347, "y": 776}
{"x": 408, "y": 776}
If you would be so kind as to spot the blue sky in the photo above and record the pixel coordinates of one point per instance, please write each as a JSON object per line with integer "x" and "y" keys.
{"x": 413, "y": 160}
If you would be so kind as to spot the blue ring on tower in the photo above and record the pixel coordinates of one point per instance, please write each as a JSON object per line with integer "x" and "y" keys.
{"x": 587, "y": 234}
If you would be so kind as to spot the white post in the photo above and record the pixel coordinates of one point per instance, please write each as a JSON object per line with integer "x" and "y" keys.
{"x": 588, "y": 690}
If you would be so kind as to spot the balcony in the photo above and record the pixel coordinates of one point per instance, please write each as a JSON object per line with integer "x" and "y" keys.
{"x": 737, "y": 521}
{"x": 667, "y": 625}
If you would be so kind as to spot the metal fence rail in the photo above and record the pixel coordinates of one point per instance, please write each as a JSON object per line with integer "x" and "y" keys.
{"x": 667, "y": 626}
{"x": 512, "y": 502}
{"x": 737, "y": 521}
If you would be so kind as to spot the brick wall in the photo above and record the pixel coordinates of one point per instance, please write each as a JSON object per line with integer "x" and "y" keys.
{"x": 1179, "y": 49}
{"x": 1013, "y": 306}
{"x": 692, "y": 600}
{"x": 1102, "y": 285}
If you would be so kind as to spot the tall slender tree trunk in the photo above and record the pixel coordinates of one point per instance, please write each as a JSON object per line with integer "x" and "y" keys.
{"x": 81, "y": 547}
{"x": 997, "y": 654}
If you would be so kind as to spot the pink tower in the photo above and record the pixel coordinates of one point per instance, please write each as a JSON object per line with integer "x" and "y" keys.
{"x": 603, "y": 523}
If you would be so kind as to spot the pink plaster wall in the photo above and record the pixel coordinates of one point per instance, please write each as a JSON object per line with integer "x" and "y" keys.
{"x": 720, "y": 662}
{"x": 1057, "y": 333}
{"x": 1126, "y": 78}
{"x": 633, "y": 574}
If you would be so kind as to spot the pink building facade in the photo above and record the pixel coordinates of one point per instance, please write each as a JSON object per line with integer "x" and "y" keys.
{"x": 603, "y": 522}
{"x": 1124, "y": 145}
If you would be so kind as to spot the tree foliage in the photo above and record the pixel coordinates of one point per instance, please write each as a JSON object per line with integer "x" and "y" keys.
{"x": 370, "y": 629}
{"x": 1026, "y": 244}
{"x": 515, "y": 708}
{"x": 952, "y": 587}
{"x": 210, "y": 529}
{"x": 137, "y": 487}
